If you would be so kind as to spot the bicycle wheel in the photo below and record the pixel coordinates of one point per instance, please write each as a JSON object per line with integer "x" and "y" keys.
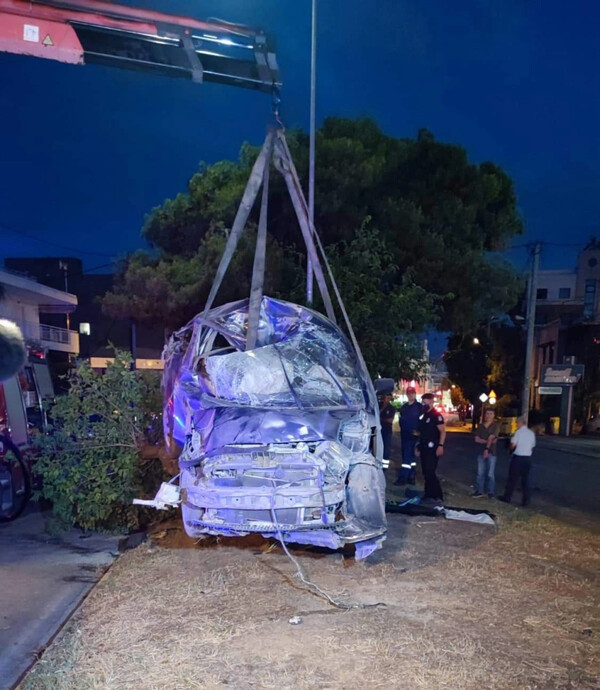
{"x": 15, "y": 482}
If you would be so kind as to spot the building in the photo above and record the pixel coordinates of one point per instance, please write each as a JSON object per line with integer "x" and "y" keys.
{"x": 31, "y": 305}
{"x": 98, "y": 333}
{"x": 23, "y": 397}
{"x": 567, "y": 330}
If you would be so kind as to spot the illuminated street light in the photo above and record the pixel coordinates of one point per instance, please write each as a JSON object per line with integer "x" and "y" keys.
{"x": 476, "y": 341}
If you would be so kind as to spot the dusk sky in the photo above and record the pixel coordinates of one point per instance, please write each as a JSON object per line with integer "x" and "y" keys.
{"x": 87, "y": 151}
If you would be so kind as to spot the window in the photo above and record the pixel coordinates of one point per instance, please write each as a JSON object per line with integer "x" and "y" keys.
{"x": 542, "y": 293}
{"x": 564, "y": 293}
{"x": 589, "y": 298}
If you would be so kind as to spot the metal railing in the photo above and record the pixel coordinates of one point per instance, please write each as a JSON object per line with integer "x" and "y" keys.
{"x": 55, "y": 335}
{"x": 48, "y": 334}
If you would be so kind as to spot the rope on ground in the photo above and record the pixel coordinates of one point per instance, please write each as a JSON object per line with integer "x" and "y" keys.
{"x": 311, "y": 586}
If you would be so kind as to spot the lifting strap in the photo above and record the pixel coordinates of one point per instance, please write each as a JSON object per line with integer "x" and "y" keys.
{"x": 285, "y": 165}
{"x": 276, "y": 147}
{"x": 314, "y": 234}
{"x": 258, "y": 270}
{"x": 239, "y": 223}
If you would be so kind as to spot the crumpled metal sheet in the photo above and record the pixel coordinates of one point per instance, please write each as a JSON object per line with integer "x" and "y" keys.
{"x": 277, "y": 439}
{"x": 305, "y": 370}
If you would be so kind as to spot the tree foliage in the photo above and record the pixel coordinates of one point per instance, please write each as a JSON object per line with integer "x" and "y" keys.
{"x": 496, "y": 361}
{"x": 468, "y": 365}
{"x": 172, "y": 288}
{"x": 438, "y": 219}
{"x": 91, "y": 463}
{"x": 507, "y": 360}
{"x": 386, "y": 313}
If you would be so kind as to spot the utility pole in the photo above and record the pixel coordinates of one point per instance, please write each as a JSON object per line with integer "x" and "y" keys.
{"x": 531, "y": 300}
{"x": 311, "y": 160}
{"x": 133, "y": 343}
{"x": 64, "y": 267}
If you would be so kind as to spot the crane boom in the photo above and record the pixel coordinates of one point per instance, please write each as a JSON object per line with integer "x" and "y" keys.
{"x": 94, "y": 31}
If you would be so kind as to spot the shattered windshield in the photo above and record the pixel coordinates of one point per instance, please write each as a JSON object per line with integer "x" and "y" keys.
{"x": 309, "y": 367}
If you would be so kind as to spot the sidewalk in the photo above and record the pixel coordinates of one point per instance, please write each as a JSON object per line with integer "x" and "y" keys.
{"x": 42, "y": 581}
{"x": 574, "y": 445}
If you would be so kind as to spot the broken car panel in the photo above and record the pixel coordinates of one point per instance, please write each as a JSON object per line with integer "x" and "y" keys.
{"x": 278, "y": 439}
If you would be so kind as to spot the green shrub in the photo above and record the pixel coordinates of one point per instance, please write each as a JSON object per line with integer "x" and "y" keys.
{"x": 95, "y": 459}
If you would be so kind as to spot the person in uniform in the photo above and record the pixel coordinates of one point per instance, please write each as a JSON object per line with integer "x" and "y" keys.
{"x": 387, "y": 412}
{"x": 430, "y": 447}
{"x": 409, "y": 422}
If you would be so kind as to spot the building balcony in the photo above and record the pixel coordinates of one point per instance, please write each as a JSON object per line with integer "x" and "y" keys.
{"x": 52, "y": 337}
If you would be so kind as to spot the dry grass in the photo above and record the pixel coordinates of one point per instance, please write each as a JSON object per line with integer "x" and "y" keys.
{"x": 466, "y": 607}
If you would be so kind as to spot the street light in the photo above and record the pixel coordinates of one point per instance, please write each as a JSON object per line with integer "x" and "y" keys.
{"x": 476, "y": 341}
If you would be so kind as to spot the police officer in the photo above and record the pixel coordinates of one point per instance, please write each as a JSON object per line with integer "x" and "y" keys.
{"x": 409, "y": 422}
{"x": 430, "y": 447}
{"x": 387, "y": 412}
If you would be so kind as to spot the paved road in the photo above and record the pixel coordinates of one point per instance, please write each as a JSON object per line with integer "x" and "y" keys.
{"x": 42, "y": 580}
{"x": 565, "y": 474}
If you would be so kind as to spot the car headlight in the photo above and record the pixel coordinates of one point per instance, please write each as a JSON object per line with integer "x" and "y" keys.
{"x": 355, "y": 434}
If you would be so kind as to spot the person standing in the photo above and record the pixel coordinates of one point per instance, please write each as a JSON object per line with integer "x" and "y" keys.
{"x": 487, "y": 435}
{"x": 522, "y": 444}
{"x": 387, "y": 412}
{"x": 409, "y": 423}
{"x": 430, "y": 447}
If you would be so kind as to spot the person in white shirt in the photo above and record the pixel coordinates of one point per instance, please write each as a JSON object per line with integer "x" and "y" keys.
{"x": 522, "y": 444}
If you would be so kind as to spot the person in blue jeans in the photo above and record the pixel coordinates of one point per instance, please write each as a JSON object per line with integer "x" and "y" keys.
{"x": 410, "y": 413}
{"x": 486, "y": 435}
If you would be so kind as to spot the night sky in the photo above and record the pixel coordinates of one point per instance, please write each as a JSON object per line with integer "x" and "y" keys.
{"x": 87, "y": 151}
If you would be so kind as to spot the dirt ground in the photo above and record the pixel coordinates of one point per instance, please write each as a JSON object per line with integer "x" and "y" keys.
{"x": 446, "y": 604}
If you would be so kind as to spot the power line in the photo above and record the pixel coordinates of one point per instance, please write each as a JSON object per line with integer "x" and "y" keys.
{"x": 530, "y": 245}
{"x": 95, "y": 268}
{"x": 565, "y": 244}
{"x": 52, "y": 244}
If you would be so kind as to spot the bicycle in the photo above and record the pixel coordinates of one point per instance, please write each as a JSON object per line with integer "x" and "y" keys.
{"x": 15, "y": 480}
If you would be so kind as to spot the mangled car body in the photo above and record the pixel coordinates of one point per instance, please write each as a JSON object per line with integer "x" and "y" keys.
{"x": 269, "y": 407}
{"x": 278, "y": 439}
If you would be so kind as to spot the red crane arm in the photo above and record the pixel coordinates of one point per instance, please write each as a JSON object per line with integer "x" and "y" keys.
{"x": 94, "y": 31}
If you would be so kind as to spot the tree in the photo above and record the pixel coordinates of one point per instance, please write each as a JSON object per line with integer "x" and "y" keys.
{"x": 491, "y": 357}
{"x": 507, "y": 359}
{"x": 96, "y": 459}
{"x": 440, "y": 219}
{"x": 468, "y": 365}
{"x": 169, "y": 289}
{"x": 386, "y": 315}
{"x": 457, "y": 397}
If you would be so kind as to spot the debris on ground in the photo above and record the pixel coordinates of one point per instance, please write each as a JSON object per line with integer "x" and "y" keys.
{"x": 465, "y": 607}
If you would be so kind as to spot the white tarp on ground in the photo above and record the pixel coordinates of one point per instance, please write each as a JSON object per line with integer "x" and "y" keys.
{"x": 481, "y": 518}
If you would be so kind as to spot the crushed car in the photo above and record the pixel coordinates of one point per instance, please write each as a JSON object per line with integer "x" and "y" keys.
{"x": 278, "y": 439}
